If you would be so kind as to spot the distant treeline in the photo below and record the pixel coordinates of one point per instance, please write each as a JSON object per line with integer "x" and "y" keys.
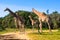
{"x": 8, "y": 20}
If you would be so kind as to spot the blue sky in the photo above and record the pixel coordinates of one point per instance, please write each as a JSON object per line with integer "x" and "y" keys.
{"x": 40, "y": 5}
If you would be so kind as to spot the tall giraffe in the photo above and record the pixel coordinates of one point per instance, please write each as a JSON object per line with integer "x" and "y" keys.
{"x": 42, "y": 17}
{"x": 17, "y": 18}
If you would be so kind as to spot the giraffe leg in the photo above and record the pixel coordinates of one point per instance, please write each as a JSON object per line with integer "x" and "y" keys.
{"x": 40, "y": 25}
{"x": 33, "y": 27}
{"x": 16, "y": 23}
{"x": 20, "y": 25}
{"x": 38, "y": 28}
{"x": 23, "y": 29}
{"x": 49, "y": 26}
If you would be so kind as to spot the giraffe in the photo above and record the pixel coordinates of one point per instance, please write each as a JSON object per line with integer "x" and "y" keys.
{"x": 18, "y": 19}
{"x": 33, "y": 22}
{"x": 42, "y": 18}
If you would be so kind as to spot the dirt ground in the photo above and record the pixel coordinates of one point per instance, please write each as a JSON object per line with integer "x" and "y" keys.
{"x": 14, "y": 36}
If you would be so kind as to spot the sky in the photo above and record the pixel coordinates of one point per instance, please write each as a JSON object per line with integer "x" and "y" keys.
{"x": 27, "y": 5}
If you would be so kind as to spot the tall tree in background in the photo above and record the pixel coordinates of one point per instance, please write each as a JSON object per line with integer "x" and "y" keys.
{"x": 55, "y": 18}
{"x": 1, "y": 26}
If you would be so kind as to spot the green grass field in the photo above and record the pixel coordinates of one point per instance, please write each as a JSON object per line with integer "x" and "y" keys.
{"x": 8, "y": 30}
{"x": 45, "y": 35}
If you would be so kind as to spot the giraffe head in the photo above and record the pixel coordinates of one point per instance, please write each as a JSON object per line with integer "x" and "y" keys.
{"x": 6, "y": 9}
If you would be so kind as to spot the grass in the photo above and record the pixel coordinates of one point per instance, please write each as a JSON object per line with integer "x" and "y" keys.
{"x": 8, "y": 30}
{"x": 45, "y": 36}
{"x": 37, "y": 36}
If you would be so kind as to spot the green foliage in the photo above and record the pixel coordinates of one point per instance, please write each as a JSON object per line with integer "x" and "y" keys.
{"x": 1, "y": 26}
{"x": 55, "y": 19}
{"x": 8, "y": 20}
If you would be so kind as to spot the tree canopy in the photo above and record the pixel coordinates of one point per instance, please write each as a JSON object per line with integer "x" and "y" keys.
{"x": 8, "y": 20}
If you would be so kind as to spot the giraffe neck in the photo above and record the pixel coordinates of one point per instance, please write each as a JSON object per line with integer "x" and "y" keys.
{"x": 16, "y": 16}
{"x": 12, "y": 13}
{"x": 37, "y": 13}
{"x": 30, "y": 18}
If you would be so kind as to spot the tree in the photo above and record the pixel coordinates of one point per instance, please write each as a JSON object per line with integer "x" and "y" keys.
{"x": 55, "y": 18}
{"x": 1, "y": 26}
